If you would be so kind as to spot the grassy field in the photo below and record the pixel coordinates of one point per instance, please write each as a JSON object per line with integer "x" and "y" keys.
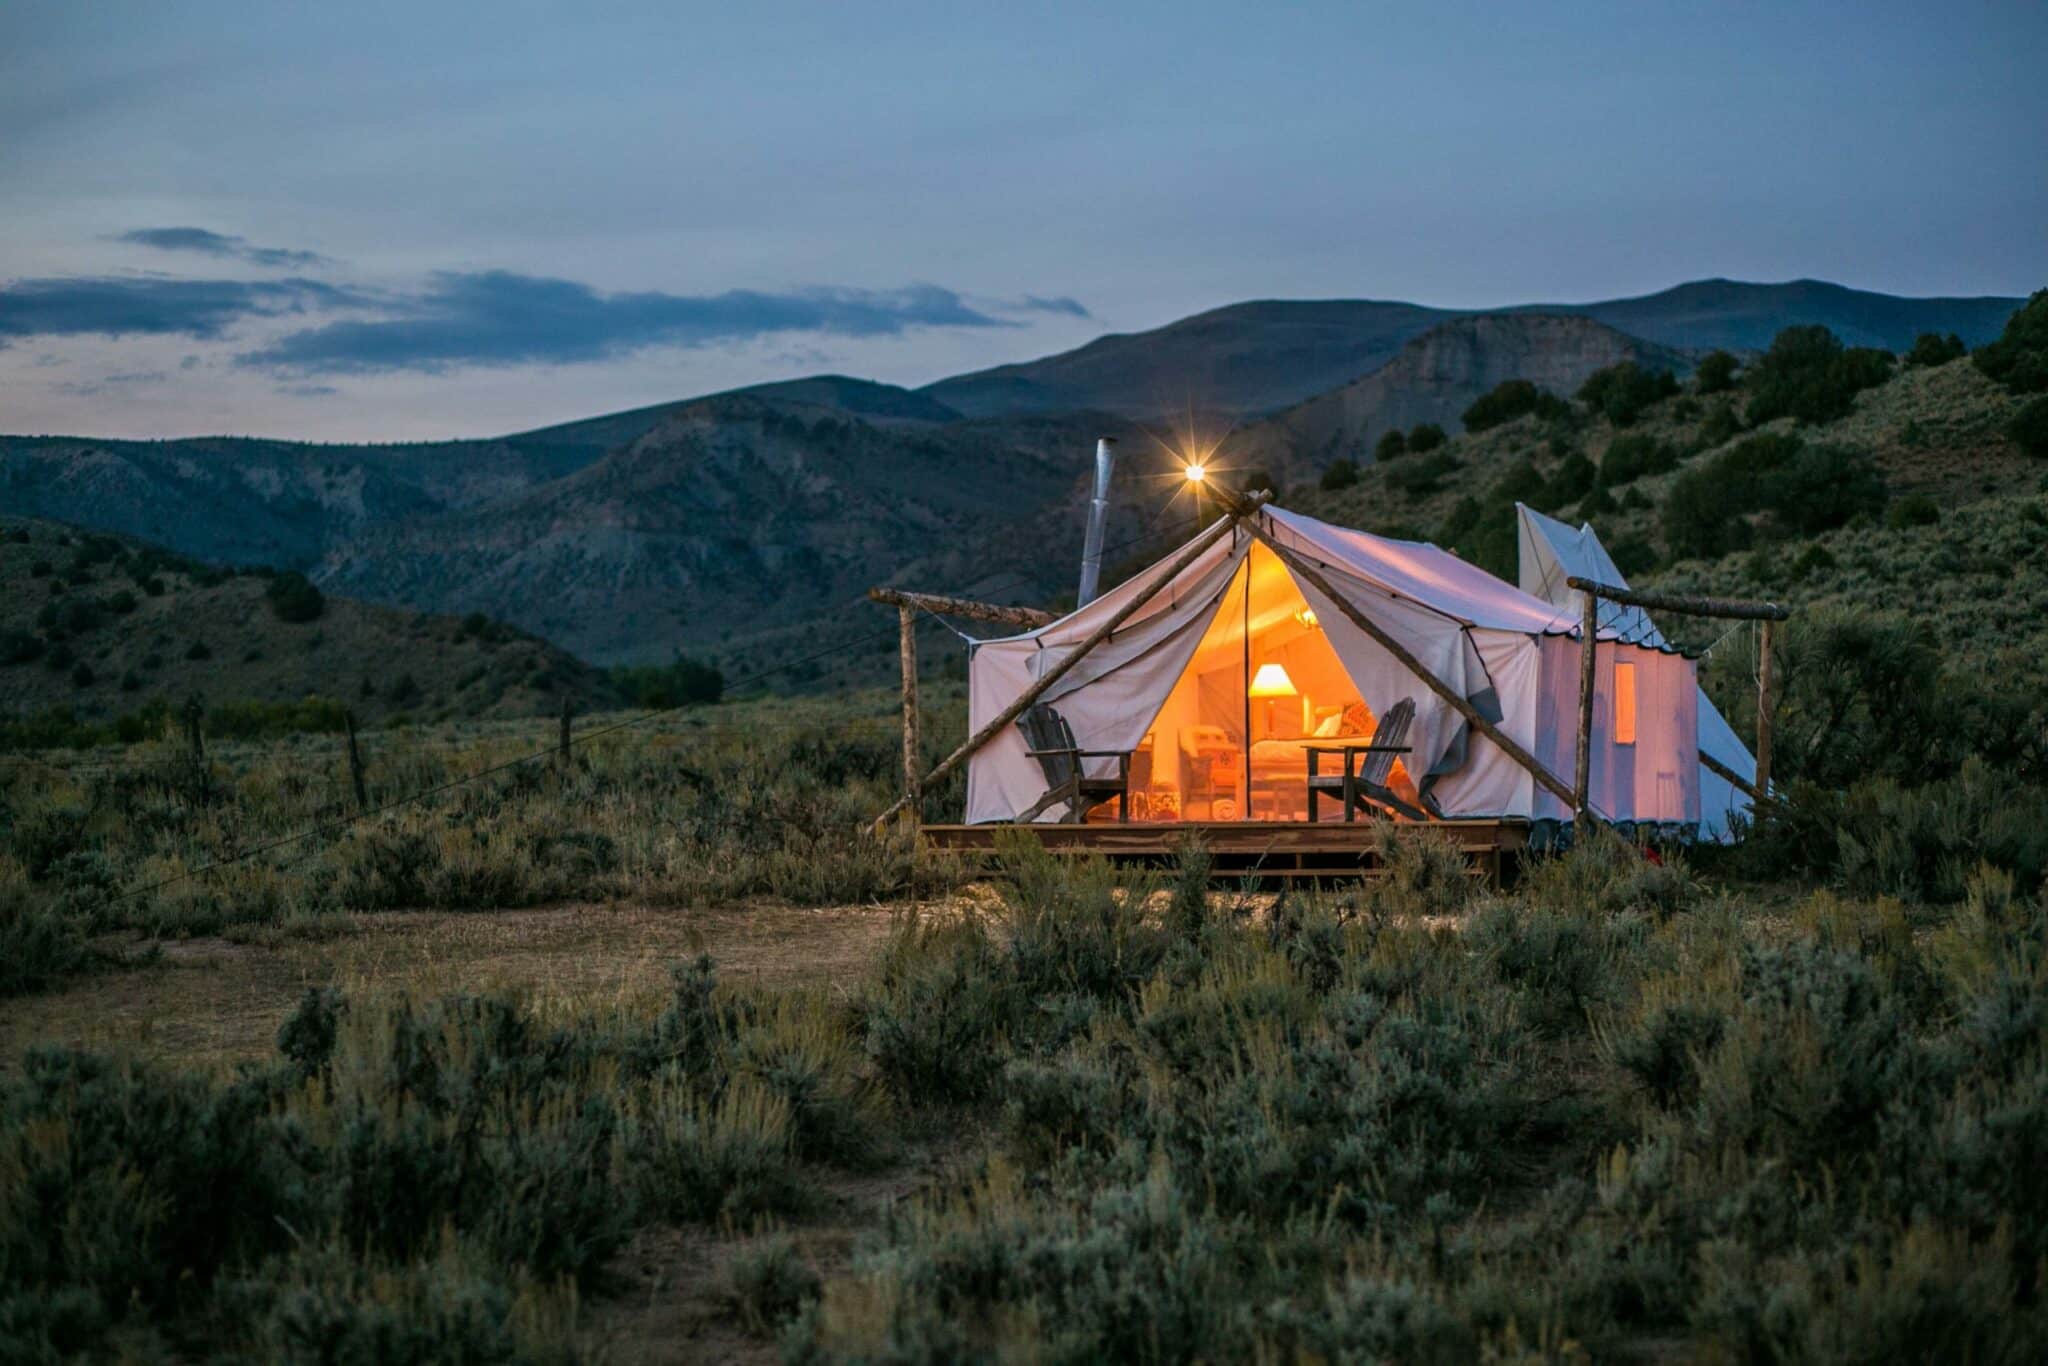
{"x": 658, "y": 1056}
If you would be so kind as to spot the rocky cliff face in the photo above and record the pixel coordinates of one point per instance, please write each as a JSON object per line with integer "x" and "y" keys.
{"x": 1434, "y": 378}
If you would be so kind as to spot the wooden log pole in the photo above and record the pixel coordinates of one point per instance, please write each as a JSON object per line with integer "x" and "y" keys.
{"x": 1189, "y": 553}
{"x": 1589, "y": 649}
{"x": 1738, "y": 608}
{"x": 1308, "y": 573}
{"x": 1766, "y": 700}
{"x": 355, "y": 762}
{"x": 906, "y": 649}
{"x": 1741, "y": 783}
{"x": 1024, "y": 618}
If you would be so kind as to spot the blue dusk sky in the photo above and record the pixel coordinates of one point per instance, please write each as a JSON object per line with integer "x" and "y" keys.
{"x": 371, "y": 221}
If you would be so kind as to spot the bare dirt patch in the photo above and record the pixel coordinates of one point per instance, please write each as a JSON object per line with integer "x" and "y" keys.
{"x": 210, "y": 1002}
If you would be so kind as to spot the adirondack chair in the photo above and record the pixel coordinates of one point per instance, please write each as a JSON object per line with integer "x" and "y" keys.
{"x": 1050, "y": 740}
{"x": 1363, "y": 785}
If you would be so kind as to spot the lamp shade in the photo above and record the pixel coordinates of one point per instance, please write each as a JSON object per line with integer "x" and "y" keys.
{"x": 1272, "y": 681}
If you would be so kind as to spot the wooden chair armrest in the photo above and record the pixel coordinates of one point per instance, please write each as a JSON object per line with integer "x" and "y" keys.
{"x": 1044, "y": 753}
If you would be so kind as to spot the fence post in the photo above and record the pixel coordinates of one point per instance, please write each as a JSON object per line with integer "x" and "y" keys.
{"x": 906, "y": 650}
{"x": 355, "y": 761}
{"x": 1766, "y": 686}
{"x": 194, "y": 739}
{"x": 1589, "y": 644}
{"x": 562, "y": 747}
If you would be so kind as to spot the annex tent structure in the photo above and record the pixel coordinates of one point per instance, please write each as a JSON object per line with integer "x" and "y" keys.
{"x": 1550, "y": 553}
{"x": 1212, "y": 683}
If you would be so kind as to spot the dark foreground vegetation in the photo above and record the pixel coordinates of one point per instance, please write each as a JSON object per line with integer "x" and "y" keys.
{"x": 1617, "y": 1113}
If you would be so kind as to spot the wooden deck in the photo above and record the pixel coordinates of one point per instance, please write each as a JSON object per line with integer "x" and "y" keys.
{"x": 1287, "y": 850}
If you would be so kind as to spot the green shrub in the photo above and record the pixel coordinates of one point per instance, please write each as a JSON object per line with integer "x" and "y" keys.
{"x": 1424, "y": 437}
{"x": 680, "y": 683}
{"x": 1915, "y": 510}
{"x": 1716, "y": 373}
{"x": 2029, "y": 427}
{"x": 1420, "y": 478}
{"x": 1341, "y": 474}
{"x": 292, "y": 598}
{"x": 2019, "y": 358}
{"x": 770, "y": 1282}
{"x": 1509, "y": 400}
{"x": 1808, "y": 375}
{"x": 1633, "y": 456}
{"x": 1932, "y": 348}
{"x": 1620, "y": 393}
{"x": 1801, "y": 489}
{"x": 1392, "y": 446}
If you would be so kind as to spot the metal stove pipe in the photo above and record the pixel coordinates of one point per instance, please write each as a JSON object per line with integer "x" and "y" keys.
{"x": 1098, "y": 514}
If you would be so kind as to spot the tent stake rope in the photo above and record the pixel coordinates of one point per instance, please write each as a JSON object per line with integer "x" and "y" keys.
{"x": 1191, "y": 552}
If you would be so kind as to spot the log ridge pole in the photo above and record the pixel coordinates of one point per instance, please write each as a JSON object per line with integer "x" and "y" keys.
{"x": 1028, "y": 618}
{"x": 906, "y": 649}
{"x": 1310, "y": 574}
{"x": 1189, "y": 553}
{"x": 1589, "y": 648}
{"x": 1738, "y": 608}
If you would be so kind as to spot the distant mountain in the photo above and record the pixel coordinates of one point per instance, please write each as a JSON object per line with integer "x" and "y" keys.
{"x": 733, "y": 515}
{"x": 1244, "y": 358}
{"x": 1256, "y": 358}
{"x": 1434, "y": 378}
{"x": 1744, "y": 317}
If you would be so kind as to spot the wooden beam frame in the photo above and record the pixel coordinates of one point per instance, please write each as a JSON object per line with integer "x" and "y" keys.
{"x": 1024, "y": 618}
{"x": 1739, "y": 609}
{"x": 1741, "y": 783}
{"x": 1237, "y": 511}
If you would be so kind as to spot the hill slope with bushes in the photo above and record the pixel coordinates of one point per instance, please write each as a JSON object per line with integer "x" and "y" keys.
{"x": 99, "y": 625}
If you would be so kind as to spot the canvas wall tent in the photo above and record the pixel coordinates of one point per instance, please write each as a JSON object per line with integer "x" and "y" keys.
{"x": 1173, "y": 684}
{"x": 1551, "y": 552}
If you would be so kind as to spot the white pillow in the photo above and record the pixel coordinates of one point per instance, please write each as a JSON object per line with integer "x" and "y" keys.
{"x": 1327, "y": 729}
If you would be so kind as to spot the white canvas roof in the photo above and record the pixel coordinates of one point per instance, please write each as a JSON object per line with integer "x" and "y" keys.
{"x": 1551, "y": 552}
{"x": 1509, "y": 653}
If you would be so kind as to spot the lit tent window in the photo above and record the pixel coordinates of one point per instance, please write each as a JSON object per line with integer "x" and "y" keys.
{"x": 1624, "y": 703}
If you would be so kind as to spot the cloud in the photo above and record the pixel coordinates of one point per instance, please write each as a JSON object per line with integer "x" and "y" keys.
{"x": 497, "y": 318}
{"x": 107, "y": 382}
{"x": 1034, "y": 303}
{"x": 222, "y": 244}
{"x": 121, "y": 306}
{"x": 307, "y": 390}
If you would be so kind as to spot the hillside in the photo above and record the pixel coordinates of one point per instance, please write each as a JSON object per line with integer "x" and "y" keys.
{"x": 1971, "y": 566}
{"x": 733, "y": 516}
{"x": 1434, "y": 378}
{"x": 1739, "y": 316}
{"x": 103, "y": 624}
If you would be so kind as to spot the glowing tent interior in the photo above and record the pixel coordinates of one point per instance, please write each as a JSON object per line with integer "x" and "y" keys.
{"x": 1228, "y": 670}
